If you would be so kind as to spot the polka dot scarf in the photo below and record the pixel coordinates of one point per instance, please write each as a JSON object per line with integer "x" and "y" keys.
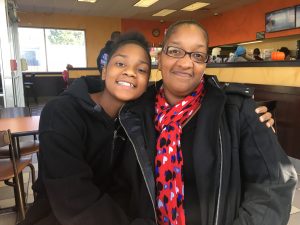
{"x": 168, "y": 161}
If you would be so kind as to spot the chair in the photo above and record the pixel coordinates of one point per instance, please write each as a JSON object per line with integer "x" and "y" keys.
{"x": 27, "y": 147}
{"x": 29, "y": 87}
{"x": 12, "y": 168}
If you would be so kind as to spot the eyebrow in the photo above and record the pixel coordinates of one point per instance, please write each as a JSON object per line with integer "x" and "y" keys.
{"x": 125, "y": 56}
{"x": 178, "y": 43}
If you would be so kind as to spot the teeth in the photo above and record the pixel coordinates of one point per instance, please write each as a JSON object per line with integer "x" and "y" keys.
{"x": 125, "y": 84}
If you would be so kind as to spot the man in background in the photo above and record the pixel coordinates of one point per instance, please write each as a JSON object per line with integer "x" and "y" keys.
{"x": 104, "y": 52}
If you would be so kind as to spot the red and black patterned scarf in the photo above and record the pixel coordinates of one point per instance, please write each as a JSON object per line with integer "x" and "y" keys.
{"x": 169, "y": 161}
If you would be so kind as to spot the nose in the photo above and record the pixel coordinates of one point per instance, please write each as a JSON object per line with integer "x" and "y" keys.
{"x": 185, "y": 61}
{"x": 130, "y": 72}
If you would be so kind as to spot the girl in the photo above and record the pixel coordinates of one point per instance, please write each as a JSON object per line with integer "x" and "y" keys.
{"x": 79, "y": 138}
{"x": 198, "y": 155}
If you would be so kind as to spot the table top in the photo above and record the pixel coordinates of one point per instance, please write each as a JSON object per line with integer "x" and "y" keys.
{"x": 20, "y": 126}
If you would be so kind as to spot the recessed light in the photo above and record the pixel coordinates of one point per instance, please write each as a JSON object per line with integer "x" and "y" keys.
{"x": 195, "y": 6}
{"x": 145, "y": 3}
{"x": 90, "y": 1}
{"x": 164, "y": 12}
{"x": 249, "y": 42}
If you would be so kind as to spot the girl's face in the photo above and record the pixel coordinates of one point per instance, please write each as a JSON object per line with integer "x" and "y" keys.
{"x": 182, "y": 75}
{"x": 127, "y": 73}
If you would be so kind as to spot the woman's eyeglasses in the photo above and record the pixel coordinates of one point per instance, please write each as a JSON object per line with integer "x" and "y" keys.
{"x": 198, "y": 57}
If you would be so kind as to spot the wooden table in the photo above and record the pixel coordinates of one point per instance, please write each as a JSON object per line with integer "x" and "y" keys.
{"x": 21, "y": 126}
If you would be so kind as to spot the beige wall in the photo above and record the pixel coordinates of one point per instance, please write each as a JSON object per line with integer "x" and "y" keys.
{"x": 276, "y": 43}
{"x": 97, "y": 29}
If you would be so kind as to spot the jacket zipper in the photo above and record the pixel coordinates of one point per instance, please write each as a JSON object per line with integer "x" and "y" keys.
{"x": 152, "y": 200}
{"x": 221, "y": 176}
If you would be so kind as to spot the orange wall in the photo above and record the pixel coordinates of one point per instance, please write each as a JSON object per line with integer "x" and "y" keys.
{"x": 146, "y": 27}
{"x": 234, "y": 26}
{"x": 240, "y": 25}
{"x": 97, "y": 29}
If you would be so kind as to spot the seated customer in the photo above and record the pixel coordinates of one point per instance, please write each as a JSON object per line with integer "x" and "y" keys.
{"x": 286, "y": 52}
{"x": 256, "y": 54}
{"x": 239, "y": 55}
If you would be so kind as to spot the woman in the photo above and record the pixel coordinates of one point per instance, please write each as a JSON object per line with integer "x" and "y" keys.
{"x": 196, "y": 154}
{"x": 78, "y": 131}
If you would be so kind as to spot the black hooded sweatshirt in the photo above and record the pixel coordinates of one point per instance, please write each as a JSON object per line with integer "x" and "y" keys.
{"x": 75, "y": 161}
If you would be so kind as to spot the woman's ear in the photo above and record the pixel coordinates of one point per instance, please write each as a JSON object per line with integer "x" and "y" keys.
{"x": 103, "y": 76}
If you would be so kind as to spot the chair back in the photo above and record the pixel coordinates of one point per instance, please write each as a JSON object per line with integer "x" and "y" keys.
{"x": 28, "y": 78}
{"x": 13, "y": 112}
{"x": 4, "y": 138}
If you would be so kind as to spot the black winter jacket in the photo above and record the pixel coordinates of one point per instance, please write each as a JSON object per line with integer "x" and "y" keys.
{"x": 75, "y": 161}
{"x": 243, "y": 176}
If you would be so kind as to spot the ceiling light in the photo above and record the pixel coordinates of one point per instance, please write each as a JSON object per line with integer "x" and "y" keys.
{"x": 145, "y": 3}
{"x": 90, "y": 1}
{"x": 250, "y": 42}
{"x": 195, "y": 6}
{"x": 164, "y": 12}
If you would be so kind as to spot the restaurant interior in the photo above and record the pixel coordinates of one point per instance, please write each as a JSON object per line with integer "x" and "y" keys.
{"x": 39, "y": 38}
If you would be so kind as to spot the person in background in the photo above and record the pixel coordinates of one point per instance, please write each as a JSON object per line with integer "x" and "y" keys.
{"x": 79, "y": 139}
{"x": 65, "y": 75}
{"x": 197, "y": 153}
{"x": 230, "y": 56}
{"x": 239, "y": 55}
{"x": 256, "y": 54}
{"x": 215, "y": 53}
{"x": 104, "y": 52}
{"x": 286, "y": 52}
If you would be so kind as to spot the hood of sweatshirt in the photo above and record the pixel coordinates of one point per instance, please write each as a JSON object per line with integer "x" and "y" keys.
{"x": 80, "y": 90}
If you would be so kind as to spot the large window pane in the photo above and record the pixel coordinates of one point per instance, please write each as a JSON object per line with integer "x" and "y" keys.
{"x": 52, "y": 49}
{"x": 65, "y": 47}
{"x": 32, "y": 47}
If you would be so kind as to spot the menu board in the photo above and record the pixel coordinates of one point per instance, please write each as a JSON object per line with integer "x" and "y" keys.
{"x": 280, "y": 19}
{"x": 298, "y": 16}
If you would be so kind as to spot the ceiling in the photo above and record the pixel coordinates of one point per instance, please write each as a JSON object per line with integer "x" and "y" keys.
{"x": 125, "y": 9}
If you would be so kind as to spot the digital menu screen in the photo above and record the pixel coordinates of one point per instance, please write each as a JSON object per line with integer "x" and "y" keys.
{"x": 298, "y": 16}
{"x": 280, "y": 19}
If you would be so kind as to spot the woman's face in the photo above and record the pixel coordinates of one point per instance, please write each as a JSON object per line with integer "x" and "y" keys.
{"x": 127, "y": 73}
{"x": 182, "y": 75}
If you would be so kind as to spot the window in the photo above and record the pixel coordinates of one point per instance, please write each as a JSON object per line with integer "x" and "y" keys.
{"x": 52, "y": 49}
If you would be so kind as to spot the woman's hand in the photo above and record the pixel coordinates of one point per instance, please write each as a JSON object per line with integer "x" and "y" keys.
{"x": 266, "y": 117}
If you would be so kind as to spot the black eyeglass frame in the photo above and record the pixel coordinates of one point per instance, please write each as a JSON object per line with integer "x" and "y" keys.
{"x": 165, "y": 50}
